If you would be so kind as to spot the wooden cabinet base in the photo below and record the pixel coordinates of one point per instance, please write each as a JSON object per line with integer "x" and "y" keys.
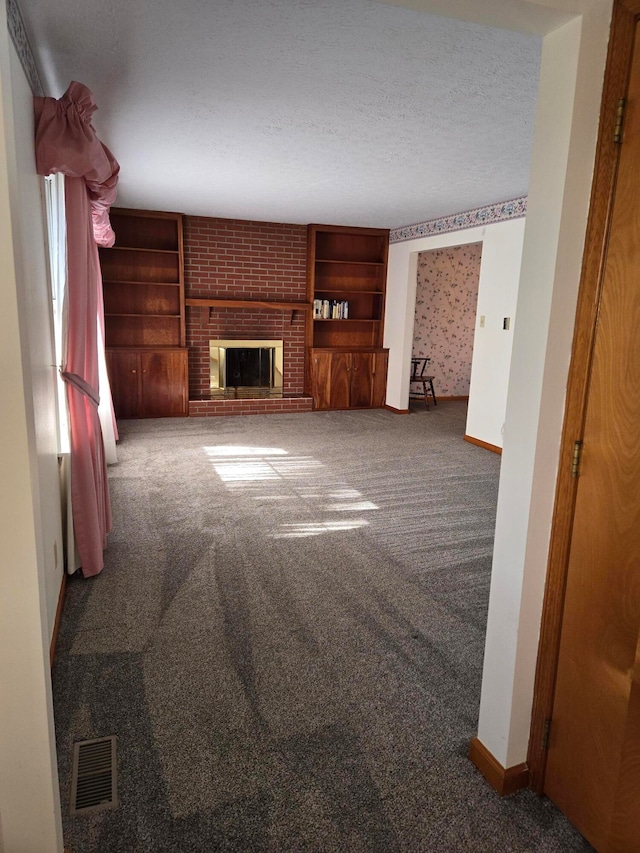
{"x": 348, "y": 379}
{"x": 149, "y": 383}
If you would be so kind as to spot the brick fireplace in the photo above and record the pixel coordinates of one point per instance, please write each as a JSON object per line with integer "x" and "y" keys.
{"x": 239, "y": 259}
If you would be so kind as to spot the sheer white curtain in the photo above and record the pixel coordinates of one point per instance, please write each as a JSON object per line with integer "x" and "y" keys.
{"x": 56, "y": 231}
{"x": 105, "y": 407}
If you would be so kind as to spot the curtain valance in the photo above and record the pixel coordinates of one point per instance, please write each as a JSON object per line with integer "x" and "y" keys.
{"x": 67, "y": 142}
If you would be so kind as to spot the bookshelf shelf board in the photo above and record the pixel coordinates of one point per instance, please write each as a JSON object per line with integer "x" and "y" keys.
{"x": 348, "y": 320}
{"x": 349, "y": 291}
{"x": 144, "y": 249}
{"x": 144, "y": 283}
{"x": 140, "y": 314}
{"x": 145, "y": 348}
{"x": 343, "y": 261}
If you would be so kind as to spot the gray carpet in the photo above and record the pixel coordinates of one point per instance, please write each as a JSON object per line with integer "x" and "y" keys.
{"x": 287, "y": 640}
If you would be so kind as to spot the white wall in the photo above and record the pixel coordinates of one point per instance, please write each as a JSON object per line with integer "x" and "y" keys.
{"x": 573, "y": 59}
{"x": 492, "y": 344}
{"x": 570, "y": 92}
{"x": 29, "y": 798}
{"x": 35, "y": 306}
{"x": 497, "y": 294}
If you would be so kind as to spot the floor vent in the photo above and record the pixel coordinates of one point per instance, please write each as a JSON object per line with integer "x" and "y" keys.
{"x": 94, "y": 780}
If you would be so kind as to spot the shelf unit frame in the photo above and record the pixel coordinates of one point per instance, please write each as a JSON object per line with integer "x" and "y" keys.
{"x": 346, "y": 263}
{"x": 147, "y": 227}
{"x": 145, "y": 328}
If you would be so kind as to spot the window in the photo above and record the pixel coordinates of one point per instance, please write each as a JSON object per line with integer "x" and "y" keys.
{"x": 56, "y": 232}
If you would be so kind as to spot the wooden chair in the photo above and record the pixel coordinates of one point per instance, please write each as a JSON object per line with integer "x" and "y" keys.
{"x": 418, "y": 375}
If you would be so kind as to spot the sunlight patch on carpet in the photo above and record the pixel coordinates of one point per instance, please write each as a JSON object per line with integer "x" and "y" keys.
{"x": 240, "y": 450}
{"x": 296, "y": 531}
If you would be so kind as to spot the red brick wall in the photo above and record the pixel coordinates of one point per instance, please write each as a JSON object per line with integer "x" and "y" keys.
{"x": 244, "y": 260}
{"x": 271, "y": 406}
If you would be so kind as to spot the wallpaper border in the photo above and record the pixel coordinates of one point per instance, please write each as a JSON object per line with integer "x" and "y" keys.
{"x": 503, "y": 210}
{"x": 20, "y": 39}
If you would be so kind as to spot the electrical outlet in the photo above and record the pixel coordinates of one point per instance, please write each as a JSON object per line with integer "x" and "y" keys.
{"x": 506, "y": 324}
{"x": 482, "y": 320}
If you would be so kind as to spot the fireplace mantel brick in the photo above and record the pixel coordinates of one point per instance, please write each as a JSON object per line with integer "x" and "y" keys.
{"x": 245, "y": 259}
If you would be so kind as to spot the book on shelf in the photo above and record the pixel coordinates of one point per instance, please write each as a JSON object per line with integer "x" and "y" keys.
{"x": 330, "y": 309}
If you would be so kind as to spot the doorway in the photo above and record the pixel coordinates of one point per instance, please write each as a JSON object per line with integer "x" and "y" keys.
{"x": 445, "y": 315}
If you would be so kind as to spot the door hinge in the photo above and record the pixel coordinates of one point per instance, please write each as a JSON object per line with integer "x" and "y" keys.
{"x": 546, "y": 733}
{"x": 576, "y": 458}
{"x": 617, "y": 130}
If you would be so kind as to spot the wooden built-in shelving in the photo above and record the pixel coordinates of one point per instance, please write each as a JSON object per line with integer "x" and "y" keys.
{"x": 346, "y": 363}
{"x": 143, "y": 288}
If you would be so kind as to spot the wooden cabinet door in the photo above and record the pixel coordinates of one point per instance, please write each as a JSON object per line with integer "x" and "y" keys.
{"x": 379, "y": 391}
{"x": 339, "y": 395}
{"x": 330, "y": 379}
{"x": 344, "y": 380}
{"x": 124, "y": 378}
{"x": 321, "y": 379}
{"x": 361, "y": 380}
{"x": 164, "y": 383}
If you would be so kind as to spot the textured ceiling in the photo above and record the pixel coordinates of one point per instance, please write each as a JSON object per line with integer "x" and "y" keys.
{"x": 345, "y": 111}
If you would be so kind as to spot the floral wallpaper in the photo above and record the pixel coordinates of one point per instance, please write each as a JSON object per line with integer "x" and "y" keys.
{"x": 445, "y": 315}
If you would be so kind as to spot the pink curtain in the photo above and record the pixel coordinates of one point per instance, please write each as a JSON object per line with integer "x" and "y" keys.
{"x": 66, "y": 142}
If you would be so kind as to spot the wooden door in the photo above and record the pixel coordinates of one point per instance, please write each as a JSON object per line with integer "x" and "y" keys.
{"x": 164, "y": 383}
{"x": 321, "y": 379}
{"x": 379, "y": 391}
{"x": 124, "y": 378}
{"x": 361, "y": 384}
{"x": 593, "y": 766}
{"x": 339, "y": 392}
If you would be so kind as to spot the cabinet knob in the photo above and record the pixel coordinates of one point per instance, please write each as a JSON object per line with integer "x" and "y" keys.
{"x": 144, "y": 371}
{"x": 134, "y": 371}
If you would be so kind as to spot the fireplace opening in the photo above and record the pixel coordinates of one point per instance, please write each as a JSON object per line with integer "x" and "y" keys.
{"x": 246, "y": 368}
{"x": 249, "y": 368}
